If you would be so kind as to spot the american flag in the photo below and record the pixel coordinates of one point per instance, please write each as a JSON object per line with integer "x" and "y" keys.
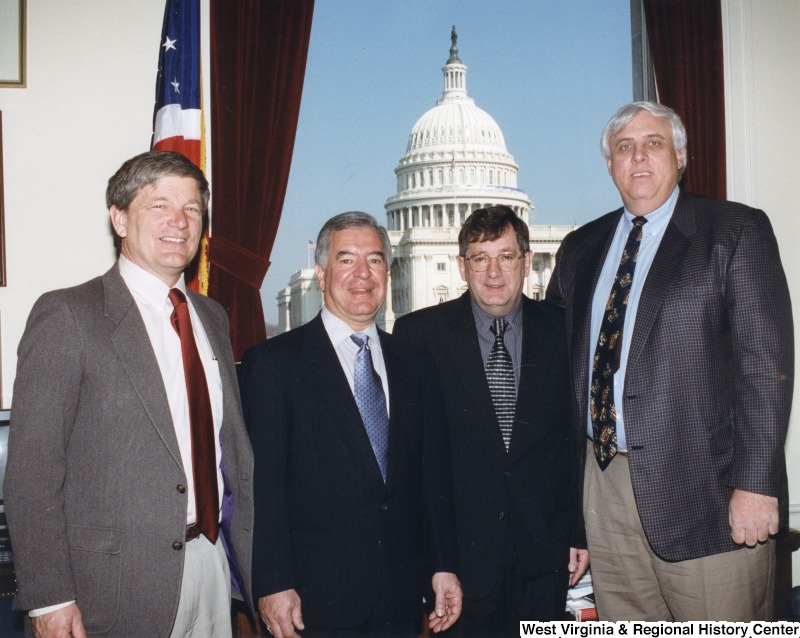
{"x": 178, "y": 117}
{"x": 177, "y": 120}
{"x": 311, "y": 245}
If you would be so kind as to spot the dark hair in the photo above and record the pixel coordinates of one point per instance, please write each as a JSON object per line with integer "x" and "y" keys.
{"x": 487, "y": 224}
{"x": 343, "y": 221}
{"x": 148, "y": 169}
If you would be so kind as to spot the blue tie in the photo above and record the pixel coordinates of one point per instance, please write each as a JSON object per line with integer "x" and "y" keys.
{"x": 371, "y": 401}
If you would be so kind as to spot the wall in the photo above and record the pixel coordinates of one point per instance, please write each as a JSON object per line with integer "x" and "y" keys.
{"x": 763, "y": 91}
{"x": 87, "y": 107}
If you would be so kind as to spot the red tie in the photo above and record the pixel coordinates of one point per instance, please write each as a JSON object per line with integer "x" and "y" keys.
{"x": 204, "y": 458}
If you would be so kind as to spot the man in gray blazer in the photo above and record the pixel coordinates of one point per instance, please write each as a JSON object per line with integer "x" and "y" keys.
{"x": 679, "y": 327}
{"x": 113, "y": 528}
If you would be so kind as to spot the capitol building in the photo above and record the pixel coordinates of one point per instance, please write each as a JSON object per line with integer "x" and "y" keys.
{"x": 456, "y": 161}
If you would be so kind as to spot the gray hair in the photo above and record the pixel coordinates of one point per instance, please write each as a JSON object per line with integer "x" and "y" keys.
{"x": 148, "y": 169}
{"x": 626, "y": 113}
{"x": 343, "y": 221}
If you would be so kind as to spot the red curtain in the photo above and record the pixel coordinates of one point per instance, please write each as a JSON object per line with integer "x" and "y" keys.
{"x": 686, "y": 45}
{"x": 258, "y": 62}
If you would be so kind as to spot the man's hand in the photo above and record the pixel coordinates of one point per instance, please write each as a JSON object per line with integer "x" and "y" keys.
{"x": 578, "y": 562}
{"x": 61, "y": 623}
{"x": 449, "y": 599}
{"x": 281, "y": 613}
{"x": 752, "y": 517}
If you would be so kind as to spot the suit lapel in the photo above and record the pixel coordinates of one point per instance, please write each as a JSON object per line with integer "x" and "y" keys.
{"x": 536, "y": 358}
{"x": 329, "y": 382}
{"x": 463, "y": 350}
{"x": 399, "y": 384}
{"x": 135, "y": 351}
{"x": 661, "y": 277}
{"x": 217, "y": 339}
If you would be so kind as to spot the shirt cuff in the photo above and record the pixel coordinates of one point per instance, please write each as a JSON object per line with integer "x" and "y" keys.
{"x": 46, "y": 610}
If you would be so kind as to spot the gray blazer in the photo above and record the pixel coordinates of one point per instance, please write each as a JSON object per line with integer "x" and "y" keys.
{"x": 93, "y": 487}
{"x": 708, "y": 388}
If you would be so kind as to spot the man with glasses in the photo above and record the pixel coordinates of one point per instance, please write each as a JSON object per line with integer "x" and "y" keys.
{"x": 502, "y": 363}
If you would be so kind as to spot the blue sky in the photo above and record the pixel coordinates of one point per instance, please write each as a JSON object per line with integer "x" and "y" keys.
{"x": 550, "y": 73}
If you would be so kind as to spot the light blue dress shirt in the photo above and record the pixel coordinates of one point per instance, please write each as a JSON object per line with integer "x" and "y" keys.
{"x": 652, "y": 232}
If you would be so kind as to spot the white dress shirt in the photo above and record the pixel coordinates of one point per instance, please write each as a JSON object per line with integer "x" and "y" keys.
{"x": 652, "y": 233}
{"x": 347, "y": 349}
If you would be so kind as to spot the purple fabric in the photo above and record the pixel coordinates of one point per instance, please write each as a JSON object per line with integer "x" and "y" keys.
{"x": 225, "y": 526}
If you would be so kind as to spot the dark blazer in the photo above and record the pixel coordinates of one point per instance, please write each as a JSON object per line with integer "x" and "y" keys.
{"x": 326, "y": 525}
{"x": 532, "y": 487}
{"x": 93, "y": 483}
{"x": 710, "y": 372}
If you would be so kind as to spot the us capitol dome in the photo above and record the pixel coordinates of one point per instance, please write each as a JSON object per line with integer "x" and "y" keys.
{"x": 456, "y": 161}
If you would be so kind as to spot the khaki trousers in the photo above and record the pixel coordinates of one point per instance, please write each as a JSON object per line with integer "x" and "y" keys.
{"x": 632, "y": 583}
{"x": 204, "y": 608}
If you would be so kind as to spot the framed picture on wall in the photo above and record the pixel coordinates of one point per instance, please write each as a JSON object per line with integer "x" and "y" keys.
{"x": 12, "y": 43}
{"x": 5, "y": 547}
{"x": 2, "y": 211}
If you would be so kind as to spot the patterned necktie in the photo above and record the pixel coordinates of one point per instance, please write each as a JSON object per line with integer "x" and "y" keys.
{"x": 609, "y": 347}
{"x": 502, "y": 386}
{"x": 201, "y": 423}
{"x": 371, "y": 401}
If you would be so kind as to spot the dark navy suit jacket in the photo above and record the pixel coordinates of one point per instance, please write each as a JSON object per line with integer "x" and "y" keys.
{"x": 325, "y": 522}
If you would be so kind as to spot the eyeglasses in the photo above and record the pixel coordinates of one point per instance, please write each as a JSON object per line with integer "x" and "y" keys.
{"x": 480, "y": 263}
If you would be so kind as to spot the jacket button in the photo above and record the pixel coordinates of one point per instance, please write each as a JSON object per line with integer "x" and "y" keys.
{"x": 380, "y": 544}
{"x": 177, "y": 546}
{"x": 501, "y": 515}
{"x": 384, "y": 507}
{"x": 181, "y": 488}
{"x": 508, "y": 474}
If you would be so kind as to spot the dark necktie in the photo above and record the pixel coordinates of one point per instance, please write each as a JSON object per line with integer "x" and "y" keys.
{"x": 204, "y": 458}
{"x": 609, "y": 347}
{"x": 371, "y": 401}
{"x": 502, "y": 386}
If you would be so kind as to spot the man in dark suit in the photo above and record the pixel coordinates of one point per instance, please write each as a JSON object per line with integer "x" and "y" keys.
{"x": 119, "y": 526}
{"x": 514, "y": 452}
{"x": 354, "y": 505}
{"x": 680, "y": 331}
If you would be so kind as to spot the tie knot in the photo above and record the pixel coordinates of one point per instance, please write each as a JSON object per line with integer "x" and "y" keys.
{"x": 499, "y": 326}
{"x": 176, "y": 297}
{"x": 360, "y": 339}
{"x": 639, "y": 222}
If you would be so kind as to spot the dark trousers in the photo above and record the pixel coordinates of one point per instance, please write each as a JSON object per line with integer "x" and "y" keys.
{"x": 514, "y": 599}
{"x": 382, "y": 630}
{"x": 380, "y": 624}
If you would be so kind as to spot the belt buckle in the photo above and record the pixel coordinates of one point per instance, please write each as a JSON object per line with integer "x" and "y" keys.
{"x": 192, "y": 532}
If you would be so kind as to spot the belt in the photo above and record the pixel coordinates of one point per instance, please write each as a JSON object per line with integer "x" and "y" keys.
{"x": 192, "y": 532}
{"x": 619, "y": 453}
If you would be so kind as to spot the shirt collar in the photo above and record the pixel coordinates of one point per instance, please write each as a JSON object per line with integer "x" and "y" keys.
{"x": 339, "y": 331}
{"x": 483, "y": 319}
{"x": 146, "y": 286}
{"x": 657, "y": 220}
